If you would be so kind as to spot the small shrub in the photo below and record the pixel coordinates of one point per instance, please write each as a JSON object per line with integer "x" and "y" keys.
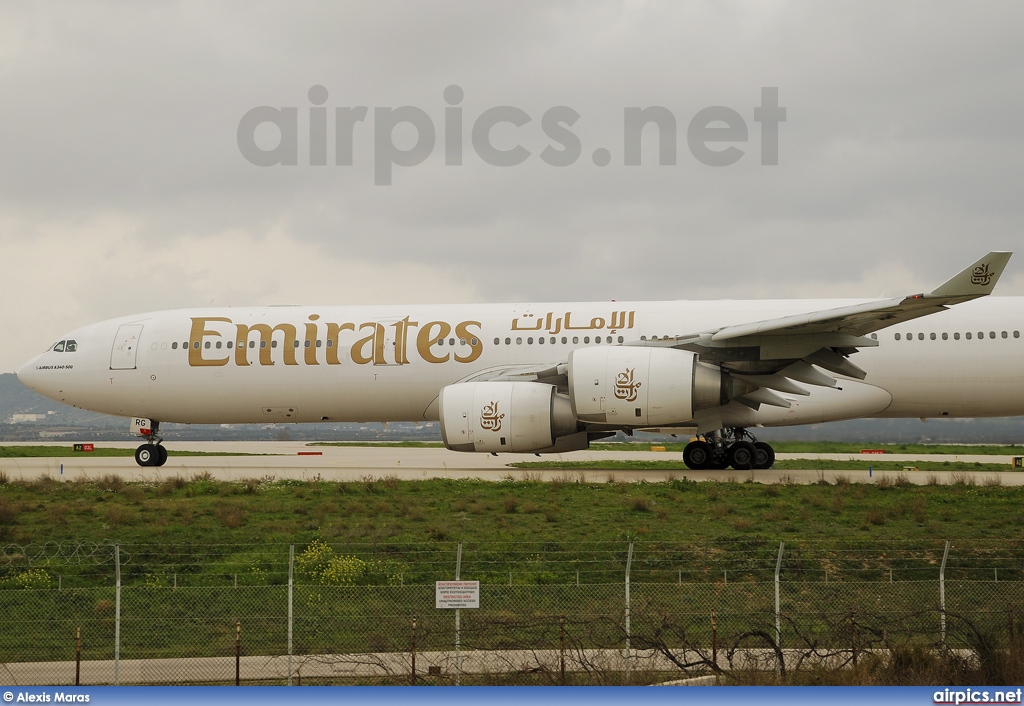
{"x": 511, "y": 504}
{"x": 231, "y": 516}
{"x": 437, "y": 533}
{"x": 641, "y": 504}
{"x": 111, "y": 482}
{"x": 9, "y": 512}
{"x": 30, "y": 578}
{"x": 842, "y": 480}
{"x": 961, "y": 478}
{"x": 933, "y": 479}
{"x": 133, "y": 494}
{"x": 117, "y": 515}
{"x": 993, "y": 481}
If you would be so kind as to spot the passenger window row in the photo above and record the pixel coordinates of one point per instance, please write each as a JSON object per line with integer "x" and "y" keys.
{"x": 554, "y": 339}
{"x": 956, "y": 336}
{"x": 296, "y": 344}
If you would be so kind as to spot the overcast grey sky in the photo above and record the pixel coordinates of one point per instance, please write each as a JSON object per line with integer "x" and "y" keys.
{"x": 123, "y": 188}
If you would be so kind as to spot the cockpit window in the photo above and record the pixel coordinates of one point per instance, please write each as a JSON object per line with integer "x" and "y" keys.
{"x": 58, "y": 347}
{"x": 71, "y": 346}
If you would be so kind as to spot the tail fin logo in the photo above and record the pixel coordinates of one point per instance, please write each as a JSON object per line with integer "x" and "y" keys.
{"x": 625, "y": 387}
{"x": 490, "y": 419}
{"x": 982, "y": 275}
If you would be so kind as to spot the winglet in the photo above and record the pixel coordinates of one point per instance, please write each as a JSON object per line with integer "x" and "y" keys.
{"x": 977, "y": 280}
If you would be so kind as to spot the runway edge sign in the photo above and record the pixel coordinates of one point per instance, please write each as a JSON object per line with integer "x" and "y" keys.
{"x": 457, "y": 594}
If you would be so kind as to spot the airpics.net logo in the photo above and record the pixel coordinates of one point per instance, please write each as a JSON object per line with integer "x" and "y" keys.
{"x": 716, "y": 136}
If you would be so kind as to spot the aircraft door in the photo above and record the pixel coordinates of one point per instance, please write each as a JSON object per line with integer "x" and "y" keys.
{"x": 126, "y": 347}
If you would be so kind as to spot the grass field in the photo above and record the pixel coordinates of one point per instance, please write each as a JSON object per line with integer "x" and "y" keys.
{"x": 196, "y": 554}
{"x": 199, "y": 510}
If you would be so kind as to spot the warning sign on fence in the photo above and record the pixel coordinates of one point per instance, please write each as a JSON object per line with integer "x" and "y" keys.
{"x": 457, "y": 594}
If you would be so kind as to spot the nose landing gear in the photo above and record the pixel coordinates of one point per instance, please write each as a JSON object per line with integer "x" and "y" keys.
{"x": 734, "y": 447}
{"x": 151, "y": 453}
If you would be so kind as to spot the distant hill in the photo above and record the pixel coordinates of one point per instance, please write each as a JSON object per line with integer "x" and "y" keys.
{"x": 62, "y": 422}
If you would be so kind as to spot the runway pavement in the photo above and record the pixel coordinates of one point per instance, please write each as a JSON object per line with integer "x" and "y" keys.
{"x": 282, "y": 460}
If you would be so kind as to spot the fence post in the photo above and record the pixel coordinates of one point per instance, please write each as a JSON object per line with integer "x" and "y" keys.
{"x": 714, "y": 641}
{"x": 778, "y": 600}
{"x": 78, "y": 655}
{"x": 942, "y": 593}
{"x": 117, "y": 615}
{"x": 413, "y": 680}
{"x": 238, "y": 653}
{"x": 629, "y": 563}
{"x": 853, "y": 635}
{"x": 561, "y": 647}
{"x": 291, "y": 586}
{"x": 458, "y": 653}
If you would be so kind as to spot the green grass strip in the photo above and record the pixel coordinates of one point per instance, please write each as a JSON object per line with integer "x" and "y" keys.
{"x": 67, "y": 451}
{"x": 793, "y": 465}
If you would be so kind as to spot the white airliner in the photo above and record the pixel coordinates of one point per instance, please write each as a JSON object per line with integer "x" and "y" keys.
{"x": 543, "y": 378}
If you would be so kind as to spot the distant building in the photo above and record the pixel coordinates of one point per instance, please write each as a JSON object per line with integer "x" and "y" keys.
{"x": 26, "y": 418}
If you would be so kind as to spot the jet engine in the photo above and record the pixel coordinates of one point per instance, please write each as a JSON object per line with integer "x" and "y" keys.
{"x": 636, "y": 386}
{"x": 495, "y": 417}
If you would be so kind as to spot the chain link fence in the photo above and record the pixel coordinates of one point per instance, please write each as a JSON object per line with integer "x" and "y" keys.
{"x": 549, "y": 613}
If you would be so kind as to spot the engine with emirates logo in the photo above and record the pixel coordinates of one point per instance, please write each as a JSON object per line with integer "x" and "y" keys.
{"x": 608, "y": 389}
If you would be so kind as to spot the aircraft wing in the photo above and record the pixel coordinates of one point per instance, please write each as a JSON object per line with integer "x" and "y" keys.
{"x": 778, "y": 353}
{"x": 975, "y": 281}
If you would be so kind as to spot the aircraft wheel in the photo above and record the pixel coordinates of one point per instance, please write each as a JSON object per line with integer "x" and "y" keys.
{"x": 742, "y": 455}
{"x": 764, "y": 455}
{"x": 161, "y": 457}
{"x": 145, "y": 455}
{"x": 697, "y": 455}
{"x": 719, "y": 460}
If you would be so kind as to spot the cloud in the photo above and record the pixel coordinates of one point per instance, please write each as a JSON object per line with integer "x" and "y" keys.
{"x": 120, "y": 174}
{"x": 60, "y": 283}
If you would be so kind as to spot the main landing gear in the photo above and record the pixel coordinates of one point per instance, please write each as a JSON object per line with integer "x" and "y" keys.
{"x": 151, "y": 453}
{"x": 733, "y": 447}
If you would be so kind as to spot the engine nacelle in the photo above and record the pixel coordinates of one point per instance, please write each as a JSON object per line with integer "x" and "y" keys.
{"x": 641, "y": 386}
{"x": 494, "y": 417}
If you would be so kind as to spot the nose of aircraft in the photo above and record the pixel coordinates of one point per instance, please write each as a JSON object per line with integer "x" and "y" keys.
{"x": 27, "y": 373}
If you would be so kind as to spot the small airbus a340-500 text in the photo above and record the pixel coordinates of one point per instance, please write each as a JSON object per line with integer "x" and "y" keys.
{"x": 551, "y": 378}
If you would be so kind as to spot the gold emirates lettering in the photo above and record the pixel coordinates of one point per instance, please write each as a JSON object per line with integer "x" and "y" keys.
{"x": 376, "y": 342}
